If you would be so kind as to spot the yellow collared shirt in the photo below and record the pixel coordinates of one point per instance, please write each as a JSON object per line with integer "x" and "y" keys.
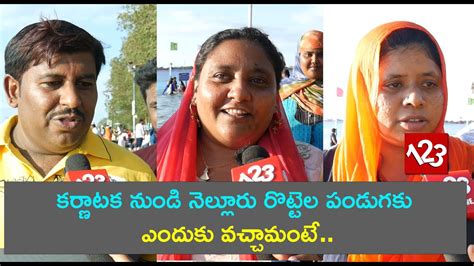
{"x": 120, "y": 164}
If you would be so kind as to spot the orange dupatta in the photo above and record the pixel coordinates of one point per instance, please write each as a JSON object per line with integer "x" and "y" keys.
{"x": 177, "y": 147}
{"x": 357, "y": 157}
{"x": 304, "y": 91}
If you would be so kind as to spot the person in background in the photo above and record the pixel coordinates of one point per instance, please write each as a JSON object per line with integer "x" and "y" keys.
{"x": 171, "y": 87}
{"x": 181, "y": 87}
{"x": 139, "y": 134}
{"x": 123, "y": 138}
{"x": 146, "y": 139}
{"x": 303, "y": 97}
{"x": 101, "y": 130}
{"x": 285, "y": 77}
{"x": 51, "y": 73}
{"x": 146, "y": 80}
{"x": 333, "y": 136}
{"x": 397, "y": 85}
{"x": 108, "y": 133}
{"x": 94, "y": 129}
{"x": 152, "y": 136}
{"x": 115, "y": 134}
{"x": 174, "y": 85}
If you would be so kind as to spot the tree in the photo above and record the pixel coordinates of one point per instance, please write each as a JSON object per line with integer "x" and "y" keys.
{"x": 139, "y": 22}
{"x": 103, "y": 122}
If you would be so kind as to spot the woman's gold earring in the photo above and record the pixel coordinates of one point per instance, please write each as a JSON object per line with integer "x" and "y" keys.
{"x": 194, "y": 113}
{"x": 276, "y": 122}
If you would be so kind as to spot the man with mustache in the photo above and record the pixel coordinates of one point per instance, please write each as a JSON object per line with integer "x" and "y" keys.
{"x": 51, "y": 72}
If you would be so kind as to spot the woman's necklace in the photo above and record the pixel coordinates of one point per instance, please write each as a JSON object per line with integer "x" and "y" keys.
{"x": 205, "y": 174}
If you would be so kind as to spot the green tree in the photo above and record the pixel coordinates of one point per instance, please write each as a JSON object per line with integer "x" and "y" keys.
{"x": 139, "y": 46}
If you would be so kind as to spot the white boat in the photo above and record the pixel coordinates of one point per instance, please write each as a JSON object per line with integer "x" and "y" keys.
{"x": 467, "y": 133}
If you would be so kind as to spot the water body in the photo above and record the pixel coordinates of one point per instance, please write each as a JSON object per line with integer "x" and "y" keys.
{"x": 168, "y": 104}
{"x": 163, "y": 77}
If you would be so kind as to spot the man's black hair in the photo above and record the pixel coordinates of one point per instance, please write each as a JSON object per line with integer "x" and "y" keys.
{"x": 146, "y": 76}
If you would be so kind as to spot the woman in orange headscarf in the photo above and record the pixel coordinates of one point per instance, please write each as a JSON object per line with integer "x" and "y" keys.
{"x": 303, "y": 96}
{"x": 397, "y": 85}
{"x": 231, "y": 101}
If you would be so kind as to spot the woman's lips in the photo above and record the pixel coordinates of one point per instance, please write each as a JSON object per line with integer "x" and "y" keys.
{"x": 413, "y": 124}
{"x": 236, "y": 113}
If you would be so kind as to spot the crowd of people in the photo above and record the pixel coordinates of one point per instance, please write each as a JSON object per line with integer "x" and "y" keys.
{"x": 143, "y": 136}
{"x": 235, "y": 97}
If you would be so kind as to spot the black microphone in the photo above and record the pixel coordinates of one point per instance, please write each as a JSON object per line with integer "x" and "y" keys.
{"x": 256, "y": 165}
{"x": 247, "y": 155}
{"x": 250, "y": 154}
{"x": 459, "y": 176}
{"x": 470, "y": 240}
{"x": 77, "y": 162}
{"x": 78, "y": 169}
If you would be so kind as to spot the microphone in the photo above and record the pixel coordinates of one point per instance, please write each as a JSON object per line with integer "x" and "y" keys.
{"x": 78, "y": 169}
{"x": 460, "y": 176}
{"x": 254, "y": 160}
{"x": 257, "y": 166}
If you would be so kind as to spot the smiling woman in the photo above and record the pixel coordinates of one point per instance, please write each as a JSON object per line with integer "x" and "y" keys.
{"x": 251, "y": 84}
{"x": 231, "y": 102}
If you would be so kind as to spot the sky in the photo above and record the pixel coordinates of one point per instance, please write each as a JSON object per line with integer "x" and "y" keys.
{"x": 99, "y": 20}
{"x": 343, "y": 26}
{"x": 191, "y": 25}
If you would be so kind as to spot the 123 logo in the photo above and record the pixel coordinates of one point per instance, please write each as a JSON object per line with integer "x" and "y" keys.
{"x": 426, "y": 153}
{"x": 256, "y": 172}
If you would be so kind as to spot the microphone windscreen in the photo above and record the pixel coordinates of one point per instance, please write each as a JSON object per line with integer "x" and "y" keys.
{"x": 265, "y": 257}
{"x": 470, "y": 232}
{"x": 77, "y": 162}
{"x": 470, "y": 240}
{"x": 456, "y": 258}
{"x": 254, "y": 153}
{"x": 238, "y": 155}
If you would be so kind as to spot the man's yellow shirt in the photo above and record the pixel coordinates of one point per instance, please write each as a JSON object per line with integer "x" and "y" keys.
{"x": 120, "y": 164}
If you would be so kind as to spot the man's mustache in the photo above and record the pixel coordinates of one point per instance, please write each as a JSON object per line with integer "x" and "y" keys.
{"x": 67, "y": 111}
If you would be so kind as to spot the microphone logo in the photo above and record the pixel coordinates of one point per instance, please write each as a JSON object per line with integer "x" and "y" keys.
{"x": 459, "y": 179}
{"x": 264, "y": 171}
{"x": 99, "y": 175}
{"x": 458, "y": 176}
